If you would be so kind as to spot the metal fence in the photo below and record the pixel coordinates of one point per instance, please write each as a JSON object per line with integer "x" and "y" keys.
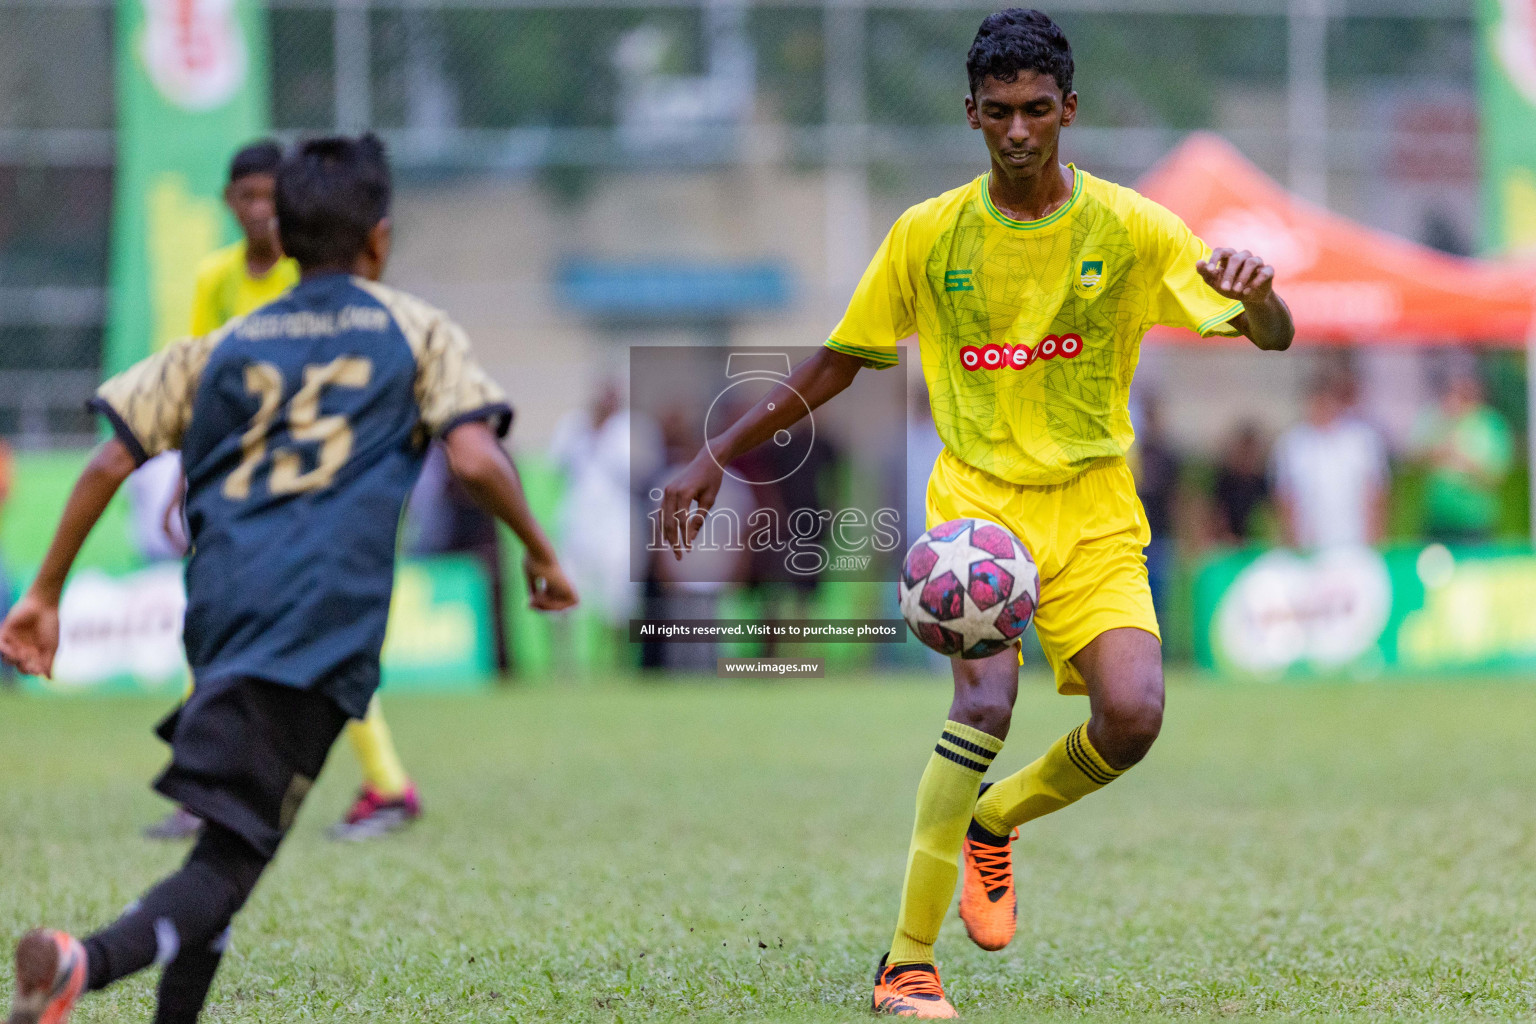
{"x": 867, "y": 94}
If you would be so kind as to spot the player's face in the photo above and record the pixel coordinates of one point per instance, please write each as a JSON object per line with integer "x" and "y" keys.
{"x": 251, "y": 199}
{"x": 1021, "y": 120}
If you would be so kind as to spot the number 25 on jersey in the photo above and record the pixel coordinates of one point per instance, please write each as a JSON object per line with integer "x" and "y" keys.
{"x": 264, "y": 382}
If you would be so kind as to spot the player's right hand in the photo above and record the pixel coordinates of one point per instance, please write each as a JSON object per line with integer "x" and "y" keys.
{"x": 687, "y": 500}
{"x": 548, "y": 587}
{"x": 29, "y": 638}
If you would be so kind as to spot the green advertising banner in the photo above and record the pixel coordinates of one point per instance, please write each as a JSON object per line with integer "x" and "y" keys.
{"x": 1354, "y": 611}
{"x": 120, "y": 632}
{"x": 439, "y": 635}
{"x": 192, "y": 87}
{"x": 1507, "y": 78}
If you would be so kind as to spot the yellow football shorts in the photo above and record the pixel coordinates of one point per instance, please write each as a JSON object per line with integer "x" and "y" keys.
{"x": 1087, "y": 537}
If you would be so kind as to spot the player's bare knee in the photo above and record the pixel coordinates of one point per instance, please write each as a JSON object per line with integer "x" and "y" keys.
{"x": 982, "y": 710}
{"x": 1126, "y": 728}
{"x": 985, "y": 689}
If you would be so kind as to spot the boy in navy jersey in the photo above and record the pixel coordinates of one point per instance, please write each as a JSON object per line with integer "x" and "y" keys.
{"x": 302, "y": 428}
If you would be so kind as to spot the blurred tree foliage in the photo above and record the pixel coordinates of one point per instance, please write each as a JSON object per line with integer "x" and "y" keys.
{"x": 1131, "y": 70}
{"x": 1424, "y": 48}
{"x": 303, "y": 82}
{"x": 518, "y": 68}
{"x": 555, "y": 67}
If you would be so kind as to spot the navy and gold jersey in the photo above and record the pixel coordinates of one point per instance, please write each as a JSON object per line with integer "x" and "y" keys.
{"x": 302, "y": 427}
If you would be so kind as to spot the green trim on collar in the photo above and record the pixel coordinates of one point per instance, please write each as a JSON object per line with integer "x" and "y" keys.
{"x": 1031, "y": 225}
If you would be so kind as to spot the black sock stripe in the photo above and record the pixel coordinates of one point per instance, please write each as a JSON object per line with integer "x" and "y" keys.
{"x": 1090, "y": 766}
{"x": 975, "y": 748}
{"x": 1088, "y": 770}
{"x": 1083, "y": 762}
{"x": 964, "y": 762}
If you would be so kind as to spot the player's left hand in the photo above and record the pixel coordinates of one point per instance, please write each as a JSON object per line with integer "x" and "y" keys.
{"x": 548, "y": 587}
{"x": 29, "y": 637}
{"x": 1238, "y": 274}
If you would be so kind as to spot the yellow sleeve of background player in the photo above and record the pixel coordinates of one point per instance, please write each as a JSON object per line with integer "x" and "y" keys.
{"x": 150, "y": 404}
{"x": 451, "y": 385}
{"x": 1180, "y": 296}
{"x": 207, "y": 309}
{"x": 882, "y": 310}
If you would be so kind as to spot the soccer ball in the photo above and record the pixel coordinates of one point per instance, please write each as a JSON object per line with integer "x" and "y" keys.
{"x": 968, "y": 588}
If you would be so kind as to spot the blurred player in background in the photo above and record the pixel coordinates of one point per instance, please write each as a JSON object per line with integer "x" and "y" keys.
{"x": 303, "y": 428}
{"x": 1068, "y": 272}
{"x": 253, "y": 271}
{"x": 232, "y": 282}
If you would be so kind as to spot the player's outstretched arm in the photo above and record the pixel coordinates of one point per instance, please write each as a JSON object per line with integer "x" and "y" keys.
{"x": 816, "y": 379}
{"x": 1241, "y": 275}
{"x": 29, "y": 638}
{"x": 486, "y": 470}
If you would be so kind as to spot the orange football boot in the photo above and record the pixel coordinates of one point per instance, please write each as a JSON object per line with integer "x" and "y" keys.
{"x": 988, "y": 904}
{"x": 50, "y": 975}
{"x": 911, "y": 990}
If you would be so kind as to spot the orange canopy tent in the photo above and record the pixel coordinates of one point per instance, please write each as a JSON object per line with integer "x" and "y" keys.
{"x": 1345, "y": 283}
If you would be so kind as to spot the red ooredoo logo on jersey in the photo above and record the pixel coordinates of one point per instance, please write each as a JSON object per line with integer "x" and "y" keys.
{"x": 1018, "y": 357}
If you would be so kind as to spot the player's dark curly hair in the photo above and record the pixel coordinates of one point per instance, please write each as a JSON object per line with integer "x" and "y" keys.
{"x": 1019, "y": 40}
{"x": 257, "y": 158}
{"x": 331, "y": 192}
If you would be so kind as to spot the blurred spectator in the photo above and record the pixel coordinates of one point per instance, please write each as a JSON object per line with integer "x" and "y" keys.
{"x": 1157, "y": 468}
{"x": 7, "y": 476}
{"x": 796, "y": 483}
{"x": 1240, "y": 487}
{"x": 1467, "y": 449}
{"x": 155, "y": 492}
{"x": 1330, "y": 471}
{"x": 592, "y": 447}
{"x": 447, "y": 521}
{"x": 691, "y": 588}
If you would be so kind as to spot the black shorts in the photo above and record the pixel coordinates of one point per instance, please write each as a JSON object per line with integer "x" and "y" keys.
{"x": 244, "y": 752}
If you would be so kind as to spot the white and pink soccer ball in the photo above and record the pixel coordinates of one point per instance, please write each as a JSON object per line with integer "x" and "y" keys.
{"x": 968, "y": 588}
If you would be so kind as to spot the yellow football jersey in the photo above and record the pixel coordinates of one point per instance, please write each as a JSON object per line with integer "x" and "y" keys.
{"x": 1030, "y": 330}
{"x": 225, "y": 288}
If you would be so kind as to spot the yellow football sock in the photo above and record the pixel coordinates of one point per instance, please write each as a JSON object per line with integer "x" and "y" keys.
{"x": 376, "y": 753}
{"x": 945, "y": 799}
{"x": 1067, "y": 772}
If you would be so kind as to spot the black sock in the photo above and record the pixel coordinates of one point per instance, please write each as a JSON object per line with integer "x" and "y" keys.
{"x": 185, "y": 982}
{"x": 179, "y": 922}
{"x": 979, "y": 834}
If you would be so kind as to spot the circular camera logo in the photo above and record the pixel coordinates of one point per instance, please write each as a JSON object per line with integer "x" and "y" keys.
{"x": 755, "y": 376}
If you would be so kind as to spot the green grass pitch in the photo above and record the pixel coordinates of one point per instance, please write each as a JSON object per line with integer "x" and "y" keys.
{"x": 705, "y": 851}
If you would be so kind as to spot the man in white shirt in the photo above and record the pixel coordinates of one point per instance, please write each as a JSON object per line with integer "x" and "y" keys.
{"x": 1330, "y": 472}
{"x": 154, "y": 501}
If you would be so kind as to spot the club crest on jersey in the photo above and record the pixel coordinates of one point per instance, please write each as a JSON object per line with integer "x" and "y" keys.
{"x": 1090, "y": 276}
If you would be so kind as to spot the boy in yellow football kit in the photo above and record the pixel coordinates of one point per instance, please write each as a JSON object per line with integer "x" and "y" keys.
{"x": 1029, "y": 290}
{"x": 239, "y": 279}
